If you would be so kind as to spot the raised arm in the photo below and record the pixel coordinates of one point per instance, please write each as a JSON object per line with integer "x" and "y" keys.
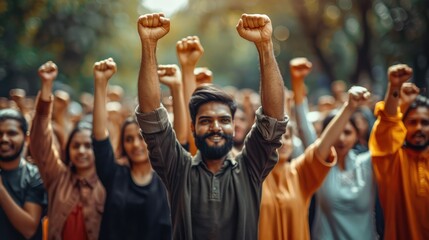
{"x": 170, "y": 76}
{"x": 151, "y": 28}
{"x": 48, "y": 73}
{"x": 397, "y": 75}
{"x": 42, "y": 142}
{"x": 299, "y": 69}
{"x": 189, "y": 50}
{"x": 103, "y": 71}
{"x": 357, "y": 97}
{"x": 409, "y": 93}
{"x": 257, "y": 28}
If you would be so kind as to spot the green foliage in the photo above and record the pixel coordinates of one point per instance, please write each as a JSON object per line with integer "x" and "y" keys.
{"x": 345, "y": 39}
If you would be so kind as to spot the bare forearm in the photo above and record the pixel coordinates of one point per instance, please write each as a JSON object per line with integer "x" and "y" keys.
{"x": 298, "y": 88}
{"x": 46, "y": 91}
{"x": 189, "y": 86}
{"x": 272, "y": 86}
{"x": 333, "y": 131}
{"x": 391, "y": 99}
{"x": 179, "y": 110}
{"x": 100, "y": 112}
{"x": 189, "y": 81}
{"x": 148, "y": 85}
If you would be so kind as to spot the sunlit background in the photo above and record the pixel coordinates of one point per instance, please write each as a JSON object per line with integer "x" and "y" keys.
{"x": 351, "y": 40}
{"x": 168, "y": 7}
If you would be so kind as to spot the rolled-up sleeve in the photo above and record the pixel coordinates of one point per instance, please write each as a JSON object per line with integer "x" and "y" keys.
{"x": 261, "y": 144}
{"x": 388, "y": 133}
{"x": 152, "y": 122}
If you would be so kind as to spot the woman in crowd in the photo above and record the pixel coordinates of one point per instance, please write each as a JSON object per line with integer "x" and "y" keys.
{"x": 76, "y": 197}
{"x": 344, "y": 206}
{"x": 136, "y": 204}
{"x": 287, "y": 190}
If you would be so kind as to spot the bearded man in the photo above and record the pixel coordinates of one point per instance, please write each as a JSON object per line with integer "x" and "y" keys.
{"x": 400, "y": 155}
{"x": 213, "y": 195}
{"x": 22, "y": 196}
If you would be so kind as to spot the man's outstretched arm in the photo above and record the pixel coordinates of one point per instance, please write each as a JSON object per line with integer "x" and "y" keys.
{"x": 151, "y": 28}
{"x": 257, "y": 28}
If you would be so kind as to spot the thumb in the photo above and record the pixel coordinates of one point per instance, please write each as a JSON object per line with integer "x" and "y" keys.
{"x": 239, "y": 24}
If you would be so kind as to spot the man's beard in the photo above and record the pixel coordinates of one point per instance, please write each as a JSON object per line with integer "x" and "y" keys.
{"x": 416, "y": 147}
{"x": 212, "y": 153}
{"x": 12, "y": 157}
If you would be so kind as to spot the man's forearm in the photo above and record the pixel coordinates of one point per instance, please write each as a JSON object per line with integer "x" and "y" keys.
{"x": 272, "y": 86}
{"x": 391, "y": 100}
{"x": 148, "y": 85}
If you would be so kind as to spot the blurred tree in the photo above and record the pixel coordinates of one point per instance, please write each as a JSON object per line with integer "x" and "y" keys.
{"x": 36, "y": 31}
{"x": 345, "y": 39}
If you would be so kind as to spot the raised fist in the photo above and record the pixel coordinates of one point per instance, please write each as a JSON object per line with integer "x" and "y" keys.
{"x": 203, "y": 75}
{"x": 409, "y": 92}
{"x": 358, "y": 96}
{"x": 153, "y": 26}
{"x": 255, "y": 27}
{"x": 104, "y": 70}
{"x": 48, "y": 72}
{"x": 300, "y": 67}
{"x": 169, "y": 75}
{"x": 189, "y": 51}
{"x": 398, "y": 74}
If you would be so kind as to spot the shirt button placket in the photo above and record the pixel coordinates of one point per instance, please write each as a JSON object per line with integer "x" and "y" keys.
{"x": 215, "y": 188}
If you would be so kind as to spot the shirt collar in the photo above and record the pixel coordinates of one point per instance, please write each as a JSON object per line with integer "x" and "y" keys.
{"x": 229, "y": 160}
{"x": 90, "y": 181}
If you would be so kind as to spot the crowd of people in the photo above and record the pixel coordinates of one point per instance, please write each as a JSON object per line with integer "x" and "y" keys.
{"x": 211, "y": 162}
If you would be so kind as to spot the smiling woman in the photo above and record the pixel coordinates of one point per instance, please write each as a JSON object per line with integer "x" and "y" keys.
{"x": 166, "y": 6}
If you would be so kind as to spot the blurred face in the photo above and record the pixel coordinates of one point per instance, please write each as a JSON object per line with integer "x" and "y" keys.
{"x": 12, "y": 140}
{"x": 285, "y": 151}
{"x": 363, "y": 126}
{"x": 213, "y": 130}
{"x": 347, "y": 140}
{"x": 81, "y": 153}
{"x": 417, "y": 124}
{"x": 134, "y": 145}
{"x": 240, "y": 122}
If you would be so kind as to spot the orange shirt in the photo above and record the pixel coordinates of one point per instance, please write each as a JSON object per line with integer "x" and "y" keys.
{"x": 402, "y": 175}
{"x": 286, "y": 194}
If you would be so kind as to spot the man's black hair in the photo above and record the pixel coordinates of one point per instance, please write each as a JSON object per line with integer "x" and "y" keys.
{"x": 210, "y": 93}
{"x": 420, "y": 101}
{"x": 9, "y": 113}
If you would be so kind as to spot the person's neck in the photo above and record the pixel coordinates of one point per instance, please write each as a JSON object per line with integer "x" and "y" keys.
{"x": 11, "y": 165}
{"x": 238, "y": 147}
{"x": 341, "y": 162}
{"x": 141, "y": 173}
{"x": 86, "y": 172}
{"x": 214, "y": 165}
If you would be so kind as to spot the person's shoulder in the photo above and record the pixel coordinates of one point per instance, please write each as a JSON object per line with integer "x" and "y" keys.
{"x": 31, "y": 169}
